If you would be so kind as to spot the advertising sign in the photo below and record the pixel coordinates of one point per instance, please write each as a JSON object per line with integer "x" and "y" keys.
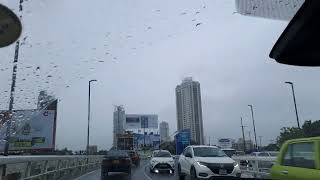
{"x": 132, "y": 122}
{"x": 139, "y": 121}
{"x": 225, "y": 143}
{"x": 30, "y": 129}
{"x": 150, "y": 140}
{"x": 182, "y": 140}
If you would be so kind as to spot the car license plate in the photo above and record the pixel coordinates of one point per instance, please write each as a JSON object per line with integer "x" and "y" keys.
{"x": 115, "y": 162}
{"x": 222, "y": 171}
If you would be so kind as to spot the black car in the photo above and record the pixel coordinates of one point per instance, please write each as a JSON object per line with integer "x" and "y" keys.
{"x": 116, "y": 162}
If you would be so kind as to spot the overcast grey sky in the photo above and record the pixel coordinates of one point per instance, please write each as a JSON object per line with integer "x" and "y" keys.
{"x": 140, "y": 50}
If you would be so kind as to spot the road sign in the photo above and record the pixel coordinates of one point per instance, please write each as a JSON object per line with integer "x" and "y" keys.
{"x": 10, "y": 26}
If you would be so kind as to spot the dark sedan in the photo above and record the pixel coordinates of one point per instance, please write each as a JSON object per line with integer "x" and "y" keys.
{"x": 116, "y": 162}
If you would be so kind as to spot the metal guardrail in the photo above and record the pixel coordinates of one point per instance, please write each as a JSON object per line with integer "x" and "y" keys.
{"x": 255, "y": 167}
{"x": 47, "y": 167}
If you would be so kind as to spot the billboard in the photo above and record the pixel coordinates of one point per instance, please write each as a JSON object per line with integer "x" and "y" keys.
{"x": 139, "y": 121}
{"x": 225, "y": 143}
{"x": 30, "y": 129}
{"x": 150, "y": 140}
{"x": 182, "y": 140}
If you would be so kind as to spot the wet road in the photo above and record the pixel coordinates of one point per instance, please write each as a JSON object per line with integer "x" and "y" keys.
{"x": 138, "y": 173}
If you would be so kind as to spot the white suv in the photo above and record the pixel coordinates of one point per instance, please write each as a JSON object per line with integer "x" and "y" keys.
{"x": 206, "y": 162}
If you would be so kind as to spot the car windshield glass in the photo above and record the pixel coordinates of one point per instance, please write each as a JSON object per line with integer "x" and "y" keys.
{"x": 162, "y": 154}
{"x": 115, "y": 153}
{"x": 143, "y": 80}
{"x": 230, "y": 152}
{"x": 208, "y": 152}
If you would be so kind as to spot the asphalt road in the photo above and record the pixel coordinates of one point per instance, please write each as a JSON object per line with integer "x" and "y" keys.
{"x": 138, "y": 173}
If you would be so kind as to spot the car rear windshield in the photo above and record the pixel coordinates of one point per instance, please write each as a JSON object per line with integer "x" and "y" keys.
{"x": 162, "y": 154}
{"x": 208, "y": 152}
{"x": 115, "y": 153}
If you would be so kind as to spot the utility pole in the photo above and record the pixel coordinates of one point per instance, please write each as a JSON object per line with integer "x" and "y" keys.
{"x": 13, "y": 85}
{"x": 209, "y": 141}
{"x": 254, "y": 127}
{"x": 249, "y": 132}
{"x": 244, "y": 140}
{"x": 144, "y": 136}
{"x": 260, "y": 137}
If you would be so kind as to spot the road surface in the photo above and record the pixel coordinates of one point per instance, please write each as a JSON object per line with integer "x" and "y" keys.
{"x": 138, "y": 173}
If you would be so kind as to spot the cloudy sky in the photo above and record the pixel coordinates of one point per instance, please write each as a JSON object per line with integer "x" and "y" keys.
{"x": 139, "y": 51}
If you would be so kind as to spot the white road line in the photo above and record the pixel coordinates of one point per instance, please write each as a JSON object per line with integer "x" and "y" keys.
{"x": 86, "y": 174}
{"x": 145, "y": 174}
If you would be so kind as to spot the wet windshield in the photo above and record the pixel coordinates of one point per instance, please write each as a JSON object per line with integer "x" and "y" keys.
{"x": 84, "y": 79}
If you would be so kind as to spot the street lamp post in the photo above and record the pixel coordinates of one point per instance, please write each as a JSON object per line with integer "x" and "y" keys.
{"x": 12, "y": 91}
{"x": 254, "y": 126}
{"x": 244, "y": 140}
{"x": 294, "y": 100}
{"x": 88, "y": 133}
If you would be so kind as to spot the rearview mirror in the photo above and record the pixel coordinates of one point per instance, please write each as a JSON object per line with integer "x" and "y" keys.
{"x": 10, "y": 26}
{"x": 299, "y": 43}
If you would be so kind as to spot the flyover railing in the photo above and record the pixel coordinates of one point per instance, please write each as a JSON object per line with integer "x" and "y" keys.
{"x": 47, "y": 167}
{"x": 255, "y": 167}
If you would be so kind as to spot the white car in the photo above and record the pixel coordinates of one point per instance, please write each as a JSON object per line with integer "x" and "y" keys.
{"x": 265, "y": 154}
{"x": 207, "y": 162}
{"x": 161, "y": 161}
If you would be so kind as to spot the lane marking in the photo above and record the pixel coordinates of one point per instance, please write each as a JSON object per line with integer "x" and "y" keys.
{"x": 145, "y": 174}
{"x": 78, "y": 178}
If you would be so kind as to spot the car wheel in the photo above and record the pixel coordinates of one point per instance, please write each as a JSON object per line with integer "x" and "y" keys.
{"x": 193, "y": 174}
{"x": 181, "y": 176}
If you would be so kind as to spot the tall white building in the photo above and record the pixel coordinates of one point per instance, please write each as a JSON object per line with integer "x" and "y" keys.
{"x": 189, "y": 110}
{"x": 164, "y": 131}
{"x": 119, "y": 117}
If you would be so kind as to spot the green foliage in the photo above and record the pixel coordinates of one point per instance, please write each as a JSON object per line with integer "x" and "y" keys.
{"x": 309, "y": 129}
{"x": 271, "y": 147}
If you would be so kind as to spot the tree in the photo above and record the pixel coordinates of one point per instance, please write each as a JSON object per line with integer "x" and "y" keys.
{"x": 309, "y": 129}
{"x": 271, "y": 147}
